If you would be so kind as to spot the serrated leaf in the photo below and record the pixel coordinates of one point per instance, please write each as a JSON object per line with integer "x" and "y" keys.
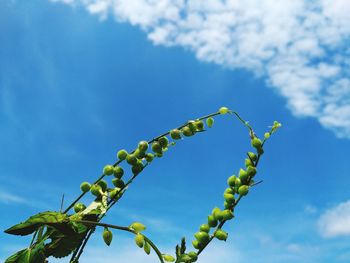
{"x": 34, "y": 222}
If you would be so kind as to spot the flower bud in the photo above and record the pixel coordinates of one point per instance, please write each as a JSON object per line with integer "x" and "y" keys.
{"x": 147, "y": 248}
{"x": 78, "y": 207}
{"x": 256, "y": 143}
{"x": 107, "y": 236}
{"x": 114, "y": 192}
{"x": 195, "y": 244}
{"x": 149, "y": 157}
{"x": 103, "y": 185}
{"x": 204, "y": 228}
{"x": 139, "y": 240}
{"x": 139, "y": 154}
{"x": 137, "y": 226}
{"x": 118, "y": 172}
{"x": 243, "y": 190}
{"x": 202, "y": 237}
{"x": 187, "y": 131}
{"x": 227, "y": 214}
{"x": 122, "y": 154}
{"x": 108, "y": 170}
{"x": 96, "y": 190}
{"x": 210, "y": 122}
{"x": 248, "y": 162}
{"x": 224, "y": 110}
{"x": 192, "y": 125}
{"x": 252, "y": 156}
{"x": 199, "y": 125}
{"x": 212, "y": 222}
{"x": 118, "y": 183}
{"x": 251, "y": 171}
{"x": 229, "y": 191}
{"x": 168, "y": 258}
{"x": 220, "y": 234}
{"x": 137, "y": 168}
{"x": 243, "y": 176}
{"x": 231, "y": 181}
{"x": 193, "y": 255}
{"x": 85, "y": 187}
{"x": 175, "y": 134}
{"x": 157, "y": 148}
{"x": 131, "y": 159}
{"x": 217, "y": 214}
{"x": 229, "y": 198}
{"x": 266, "y": 135}
{"x": 163, "y": 141}
{"x": 143, "y": 146}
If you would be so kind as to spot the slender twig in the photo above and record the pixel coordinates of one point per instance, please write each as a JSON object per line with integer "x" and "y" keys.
{"x": 123, "y": 228}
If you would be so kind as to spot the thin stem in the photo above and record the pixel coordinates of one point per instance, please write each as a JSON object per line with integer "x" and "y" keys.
{"x": 123, "y": 228}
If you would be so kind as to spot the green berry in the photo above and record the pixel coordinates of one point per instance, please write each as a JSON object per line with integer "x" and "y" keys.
{"x": 251, "y": 171}
{"x": 193, "y": 255}
{"x": 192, "y": 125}
{"x": 147, "y": 248}
{"x": 143, "y": 146}
{"x": 114, "y": 192}
{"x": 137, "y": 168}
{"x": 78, "y": 207}
{"x": 85, "y": 187}
{"x": 243, "y": 190}
{"x": 243, "y": 175}
{"x": 139, "y": 154}
{"x": 204, "y": 228}
{"x": 118, "y": 172}
{"x": 149, "y": 157}
{"x": 231, "y": 181}
{"x": 168, "y": 258}
{"x": 217, "y": 213}
{"x": 229, "y": 198}
{"x": 229, "y": 191}
{"x": 199, "y": 125}
{"x": 108, "y": 170}
{"x": 238, "y": 182}
{"x": 137, "y": 226}
{"x": 175, "y": 134}
{"x": 212, "y": 222}
{"x": 131, "y": 159}
{"x": 267, "y": 135}
{"x": 118, "y": 183}
{"x": 202, "y": 237}
{"x": 256, "y": 143}
{"x": 224, "y": 110}
{"x": 139, "y": 240}
{"x": 122, "y": 154}
{"x": 195, "y": 244}
{"x": 157, "y": 148}
{"x": 210, "y": 122}
{"x": 187, "y": 131}
{"x": 221, "y": 234}
{"x": 227, "y": 214}
{"x": 103, "y": 185}
{"x": 252, "y": 156}
{"x": 163, "y": 141}
{"x": 107, "y": 236}
{"x": 96, "y": 190}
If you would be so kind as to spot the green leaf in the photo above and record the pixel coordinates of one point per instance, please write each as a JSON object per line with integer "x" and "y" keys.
{"x": 34, "y": 222}
{"x": 29, "y": 255}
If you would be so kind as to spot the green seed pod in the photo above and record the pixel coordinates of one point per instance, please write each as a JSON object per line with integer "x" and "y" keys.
{"x": 212, "y": 222}
{"x": 256, "y": 143}
{"x": 163, "y": 141}
{"x": 224, "y": 110}
{"x": 122, "y": 154}
{"x": 139, "y": 154}
{"x": 251, "y": 171}
{"x": 118, "y": 182}
{"x": 193, "y": 255}
{"x": 221, "y": 234}
{"x": 131, "y": 159}
{"x": 149, "y": 157}
{"x": 137, "y": 226}
{"x": 202, "y": 237}
{"x": 231, "y": 181}
{"x": 229, "y": 191}
{"x": 199, "y": 125}
{"x": 85, "y": 187}
{"x": 204, "y": 228}
{"x": 157, "y": 148}
{"x": 78, "y": 207}
{"x": 143, "y": 146}
{"x": 192, "y": 125}
{"x": 103, "y": 185}
{"x": 147, "y": 248}
{"x": 175, "y": 134}
{"x": 107, "y": 236}
{"x": 195, "y": 244}
{"x": 114, "y": 192}
{"x": 210, "y": 122}
{"x": 137, "y": 168}
{"x": 139, "y": 240}
{"x": 96, "y": 190}
{"x": 108, "y": 170}
{"x": 229, "y": 198}
{"x": 243, "y": 190}
{"x": 243, "y": 175}
{"x": 227, "y": 214}
{"x": 248, "y": 162}
{"x": 168, "y": 258}
{"x": 187, "y": 131}
{"x": 118, "y": 172}
{"x": 252, "y": 156}
{"x": 217, "y": 214}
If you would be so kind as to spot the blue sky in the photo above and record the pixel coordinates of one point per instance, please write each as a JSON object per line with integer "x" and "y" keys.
{"x": 81, "y": 80}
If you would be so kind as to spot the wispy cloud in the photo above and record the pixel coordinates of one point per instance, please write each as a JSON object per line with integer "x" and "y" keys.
{"x": 299, "y": 47}
{"x": 9, "y": 198}
{"x": 335, "y": 221}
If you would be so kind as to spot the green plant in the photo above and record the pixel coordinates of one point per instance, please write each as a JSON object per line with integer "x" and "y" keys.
{"x": 60, "y": 234}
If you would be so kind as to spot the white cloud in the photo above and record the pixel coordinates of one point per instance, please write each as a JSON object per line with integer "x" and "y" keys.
{"x": 335, "y": 221}
{"x": 299, "y": 47}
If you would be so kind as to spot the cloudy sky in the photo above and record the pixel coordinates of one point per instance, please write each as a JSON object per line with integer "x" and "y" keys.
{"x": 81, "y": 79}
